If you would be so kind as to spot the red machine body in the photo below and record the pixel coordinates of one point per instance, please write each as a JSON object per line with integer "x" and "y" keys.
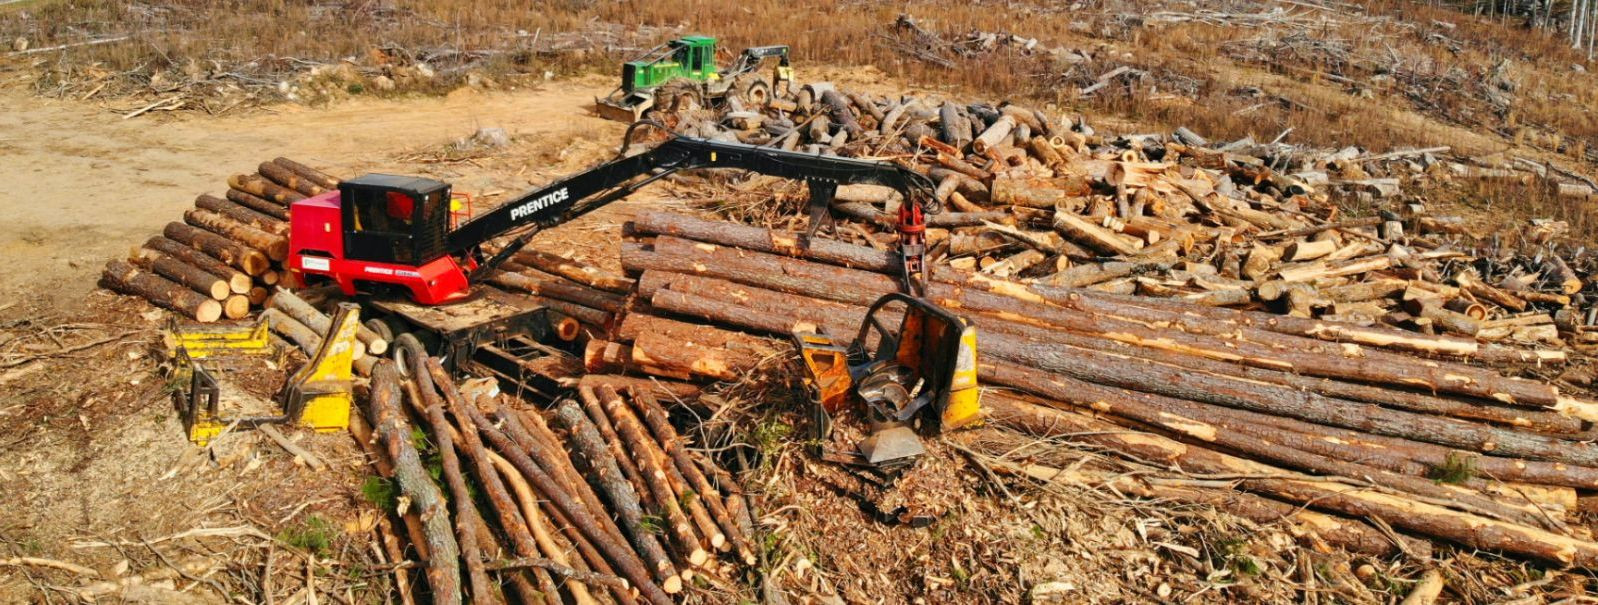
{"x": 317, "y": 246}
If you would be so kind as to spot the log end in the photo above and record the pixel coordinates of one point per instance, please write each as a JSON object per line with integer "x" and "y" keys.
{"x": 208, "y": 311}
{"x": 672, "y": 585}
{"x": 235, "y": 307}
{"x": 240, "y": 283}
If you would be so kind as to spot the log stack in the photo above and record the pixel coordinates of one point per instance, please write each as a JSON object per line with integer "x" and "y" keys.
{"x": 597, "y": 499}
{"x": 228, "y": 251}
{"x": 1240, "y": 224}
{"x": 1365, "y": 426}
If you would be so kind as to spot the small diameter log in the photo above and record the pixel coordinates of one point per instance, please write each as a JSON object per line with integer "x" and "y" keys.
{"x": 1091, "y": 235}
{"x": 258, "y": 204}
{"x": 765, "y": 240}
{"x": 1568, "y": 282}
{"x": 247, "y": 259}
{"x": 124, "y": 277}
{"x": 613, "y": 442}
{"x": 237, "y": 281}
{"x": 560, "y": 289}
{"x": 680, "y": 350}
{"x": 189, "y": 275}
{"x": 416, "y": 485}
{"x": 575, "y": 271}
{"x": 653, "y": 471}
{"x": 466, "y": 515}
{"x": 236, "y": 306}
{"x": 1308, "y": 250}
{"x": 262, "y": 188}
{"x": 617, "y": 553}
{"x": 283, "y": 300}
{"x": 317, "y": 177}
{"x": 275, "y": 246}
{"x": 1082, "y": 276}
{"x": 247, "y": 216}
{"x": 307, "y": 339}
{"x": 281, "y": 175}
{"x": 661, "y": 388}
{"x": 1305, "y": 524}
{"x": 618, "y": 491}
{"x": 666, "y": 434}
{"x": 543, "y": 534}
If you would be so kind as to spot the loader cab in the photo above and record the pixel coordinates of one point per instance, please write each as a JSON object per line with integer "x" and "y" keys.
{"x": 697, "y": 55}
{"x": 394, "y": 219}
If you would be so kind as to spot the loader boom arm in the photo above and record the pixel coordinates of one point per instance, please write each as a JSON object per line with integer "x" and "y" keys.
{"x": 574, "y": 196}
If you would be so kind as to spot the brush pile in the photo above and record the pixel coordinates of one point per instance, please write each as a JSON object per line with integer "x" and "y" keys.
{"x": 1242, "y": 224}
{"x": 225, "y": 254}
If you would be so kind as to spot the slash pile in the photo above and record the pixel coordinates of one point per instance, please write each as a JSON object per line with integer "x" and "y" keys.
{"x": 1319, "y": 423}
{"x": 1238, "y": 224}
{"x": 225, "y": 254}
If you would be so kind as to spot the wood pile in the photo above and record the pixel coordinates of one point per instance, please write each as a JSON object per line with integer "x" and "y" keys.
{"x": 1351, "y": 432}
{"x": 597, "y": 498}
{"x": 1241, "y": 224}
{"x": 225, "y": 255}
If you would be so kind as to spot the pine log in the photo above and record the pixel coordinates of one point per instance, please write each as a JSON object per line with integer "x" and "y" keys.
{"x": 189, "y": 275}
{"x": 123, "y": 277}
{"x": 560, "y": 289}
{"x": 765, "y": 240}
{"x": 466, "y": 515}
{"x": 1364, "y": 291}
{"x": 756, "y": 268}
{"x": 575, "y": 271}
{"x": 618, "y": 554}
{"x": 317, "y": 177}
{"x": 237, "y": 281}
{"x": 1089, "y": 274}
{"x": 275, "y": 246}
{"x": 1200, "y": 423}
{"x": 280, "y": 175}
{"x": 247, "y": 216}
{"x": 302, "y": 311}
{"x": 416, "y": 485}
{"x": 678, "y": 391}
{"x": 1308, "y": 250}
{"x": 681, "y": 349}
{"x": 1314, "y": 270}
{"x": 249, "y": 260}
{"x": 1419, "y": 517}
{"x": 617, "y": 488}
{"x": 652, "y": 470}
{"x": 258, "y": 204}
{"x": 262, "y": 188}
{"x": 666, "y": 435}
{"x": 1091, "y": 235}
{"x": 1568, "y": 282}
{"x": 545, "y": 534}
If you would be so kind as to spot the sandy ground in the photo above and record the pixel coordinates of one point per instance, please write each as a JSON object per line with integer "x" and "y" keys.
{"x": 83, "y": 184}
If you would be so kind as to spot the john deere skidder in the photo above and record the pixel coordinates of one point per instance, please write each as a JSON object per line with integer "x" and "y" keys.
{"x": 682, "y": 74}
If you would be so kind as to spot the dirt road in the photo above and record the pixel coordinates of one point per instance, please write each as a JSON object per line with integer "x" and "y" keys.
{"x": 83, "y": 184}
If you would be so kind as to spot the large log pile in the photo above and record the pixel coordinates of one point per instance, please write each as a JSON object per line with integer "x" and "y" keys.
{"x": 1241, "y": 224}
{"x": 225, "y": 254}
{"x": 1365, "y": 426}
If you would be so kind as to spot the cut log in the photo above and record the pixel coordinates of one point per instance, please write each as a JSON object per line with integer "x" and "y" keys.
{"x": 247, "y": 216}
{"x": 258, "y": 204}
{"x": 237, "y": 281}
{"x": 240, "y": 256}
{"x": 652, "y": 469}
{"x": 559, "y": 289}
{"x": 575, "y": 271}
{"x": 275, "y": 246}
{"x": 289, "y": 179}
{"x": 666, "y": 434}
{"x": 317, "y": 177}
{"x": 262, "y": 188}
{"x": 303, "y": 312}
{"x": 1308, "y": 250}
{"x": 415, "y": 483}
{"x": 764, "y": 240}
{"x": 236, "y": 306}
{"x": 1091, "y": 235}
{"x": 183, "y": 273}
{"x": 123, "y": 277}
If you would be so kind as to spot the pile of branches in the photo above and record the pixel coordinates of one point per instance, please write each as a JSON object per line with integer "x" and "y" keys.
{"x": 1240, "y": 224}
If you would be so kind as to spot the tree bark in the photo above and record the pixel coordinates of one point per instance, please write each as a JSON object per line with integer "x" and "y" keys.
{"x": 260, "y": 187}
{"x": 123, "y": 277}
{"x": 388, "y": 422}
{"x": 249, "y": 260}
{"x": 666, "y": 434}
{"x": 303, "y": 312}
{"x": 560, "y": 290}
{"x": 289, "y": 179}
{"x": 765, "y": 240}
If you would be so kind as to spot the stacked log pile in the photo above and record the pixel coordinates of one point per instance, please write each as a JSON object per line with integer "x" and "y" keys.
{"x": 225, "y": 255}
{"x": 596, "y": 499}
{"x": 1365, "y": 426}
{"x": 1240, "y": 224}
